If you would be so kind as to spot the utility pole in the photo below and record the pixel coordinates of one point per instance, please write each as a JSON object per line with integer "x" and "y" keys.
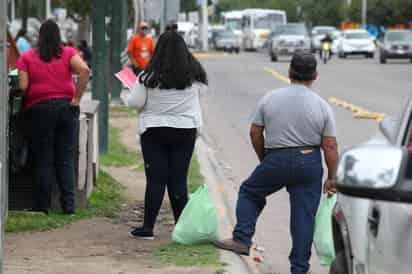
{"x": 48, "y": 9}
{"x": 12, "y": 10}
{"x": 364, "y": 13}
{"x": 4, "y": 95}
{"x": 116, "y": 46}
{"x": 99, "y": 82}
{"x": 163, "y": 10}
{"x": 205, "y": 26}
{"x": 24, "y": 13}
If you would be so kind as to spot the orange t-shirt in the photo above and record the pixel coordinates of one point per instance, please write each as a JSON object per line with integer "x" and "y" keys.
{"x": 141, "y": 49}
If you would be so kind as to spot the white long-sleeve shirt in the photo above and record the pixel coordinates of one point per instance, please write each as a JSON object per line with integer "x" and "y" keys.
{"x": 167, "y": 107}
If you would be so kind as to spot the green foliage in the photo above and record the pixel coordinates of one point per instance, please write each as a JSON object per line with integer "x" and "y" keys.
{"x": 188, "y": 5}
{"x": 79, "y": 7}
{"x": 322, "y": 12}
{"x": 105, "y": 201}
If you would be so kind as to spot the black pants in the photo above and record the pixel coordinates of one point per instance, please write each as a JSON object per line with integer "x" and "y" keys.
{"x": 167, "y": 153}
{"x": 52, "y": 132}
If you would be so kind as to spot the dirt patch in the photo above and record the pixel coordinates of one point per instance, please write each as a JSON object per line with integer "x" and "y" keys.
{"x": 99, "y": 245}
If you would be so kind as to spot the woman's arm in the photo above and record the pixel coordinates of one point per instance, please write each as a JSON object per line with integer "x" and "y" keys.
{"x": 80, "y": 68}
{"x": 137, "y": 96}
{"x": 23, "y": 81}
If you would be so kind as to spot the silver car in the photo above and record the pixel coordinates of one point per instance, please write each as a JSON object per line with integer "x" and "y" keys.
{"x": 288, "y": 39}
{"x": 372, "y": 222}
{"x": 227, "y": 41}
{"x": 397, "y": 44}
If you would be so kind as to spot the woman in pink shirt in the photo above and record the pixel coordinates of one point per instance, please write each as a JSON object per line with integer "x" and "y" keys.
{"x": 52, "y": 112}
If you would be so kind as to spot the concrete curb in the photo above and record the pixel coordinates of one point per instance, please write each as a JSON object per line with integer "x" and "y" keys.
{"x": 214, "y": 179}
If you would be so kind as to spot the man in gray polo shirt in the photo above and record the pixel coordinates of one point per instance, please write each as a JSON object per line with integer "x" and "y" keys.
{"x": 290, "y": 127}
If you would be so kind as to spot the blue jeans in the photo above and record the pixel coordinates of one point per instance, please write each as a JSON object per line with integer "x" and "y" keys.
{"x": 301, "y": 174}
{"x": 52, "y": 128}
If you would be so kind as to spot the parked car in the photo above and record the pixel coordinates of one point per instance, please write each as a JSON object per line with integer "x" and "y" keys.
{"x": 356, "y": 42}
{"x": 372, "y": 217}
{"x": 213, "y": 33}
{"x": 288, "y": 39}
{"x": 336, "y": 36}
{"x": 396, "y": 44}
{"x": 318, "y": 33}
{"x": 227, "y": 41}
{"x": 190, "y": 33}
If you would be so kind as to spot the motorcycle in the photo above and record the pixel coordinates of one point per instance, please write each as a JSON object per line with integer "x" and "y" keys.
{"x": 326, "y": 52}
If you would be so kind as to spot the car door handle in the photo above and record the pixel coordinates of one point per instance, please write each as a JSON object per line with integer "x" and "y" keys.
{"x": 374, "y": 220}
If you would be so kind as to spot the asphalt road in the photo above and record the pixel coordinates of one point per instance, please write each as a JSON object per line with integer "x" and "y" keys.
{"x": 236, "y": 84}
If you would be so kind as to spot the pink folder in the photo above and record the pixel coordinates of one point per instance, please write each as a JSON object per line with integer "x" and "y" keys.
{"x": 127, "y": 77}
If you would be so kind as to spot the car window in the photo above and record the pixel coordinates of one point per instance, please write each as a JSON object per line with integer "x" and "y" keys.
{"x": 291, "y": 30}
{"x": 399, "y": 36}
{"x": 357, "y": 35}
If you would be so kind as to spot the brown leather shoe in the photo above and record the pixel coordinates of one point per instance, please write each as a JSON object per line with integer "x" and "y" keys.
{"x": 234, "y": 246}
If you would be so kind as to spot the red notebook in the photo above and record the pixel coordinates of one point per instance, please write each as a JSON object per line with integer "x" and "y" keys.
{"x": 127, "y": 77}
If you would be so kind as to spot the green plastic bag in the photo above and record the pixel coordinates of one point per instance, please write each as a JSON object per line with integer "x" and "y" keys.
{"x": 198, "y": 221}
{"x": 323, "y": 239}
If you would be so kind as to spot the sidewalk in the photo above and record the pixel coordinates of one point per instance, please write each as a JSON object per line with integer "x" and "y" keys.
{"x": 102, "y": 245}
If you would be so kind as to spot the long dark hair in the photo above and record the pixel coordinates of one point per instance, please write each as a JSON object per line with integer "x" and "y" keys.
{"x": 50, "y": 42}
{"x": 22, "y": 33}
{"x": 172, "y": 65}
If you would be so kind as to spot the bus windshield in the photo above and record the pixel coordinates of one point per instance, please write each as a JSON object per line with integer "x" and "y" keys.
{"x": 234, "y": 24}
{"x": 268, "y": 21}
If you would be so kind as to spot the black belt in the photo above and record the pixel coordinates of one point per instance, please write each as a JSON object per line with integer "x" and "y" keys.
{"x": 292, "y": 148}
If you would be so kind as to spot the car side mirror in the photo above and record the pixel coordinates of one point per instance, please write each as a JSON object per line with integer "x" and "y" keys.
{"x": 389, "y": 127}
{"x": 375, "y": 171}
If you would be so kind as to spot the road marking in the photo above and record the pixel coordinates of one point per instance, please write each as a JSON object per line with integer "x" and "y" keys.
{"x": 208, "y": 55}
{"x": 358, "y": 112}
{"x": 277, "y": 75}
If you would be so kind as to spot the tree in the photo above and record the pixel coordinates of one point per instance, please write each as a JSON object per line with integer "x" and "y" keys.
{"x": 188, "y": 5}
{"x": 322, "y": 12}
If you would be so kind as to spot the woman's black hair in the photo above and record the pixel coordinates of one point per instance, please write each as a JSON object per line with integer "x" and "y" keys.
{"x": 22, "y": 32}
{"x": 50, "y": 42}
{"x": 172, "y": 65}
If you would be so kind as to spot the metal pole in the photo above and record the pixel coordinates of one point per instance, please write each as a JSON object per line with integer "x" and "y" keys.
{"x": 24, "y": 13}
{"x": 162, "y": 16}
{"x": 364, "y": 12}
{"x": 205, "y": 26}
{"x": 12, "y": 10}
{"x": 99, "y": 89}
{"x": 48, "y": 9}
{"x": 4, "y": 95}
{"x": 116, "y": 47}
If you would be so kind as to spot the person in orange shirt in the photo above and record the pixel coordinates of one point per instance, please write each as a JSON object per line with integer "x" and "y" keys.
{"x": 140, "y": 49}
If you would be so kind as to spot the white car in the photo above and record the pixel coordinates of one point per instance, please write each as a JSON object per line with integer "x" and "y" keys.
{"x": 372, "y": 217}
{"x": 189, "y": 32}
{"x": 318, "y": 33}
{"x": 356, "y": 42}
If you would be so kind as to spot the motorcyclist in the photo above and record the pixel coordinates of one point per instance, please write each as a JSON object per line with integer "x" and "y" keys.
{"x": 326, "y": 39}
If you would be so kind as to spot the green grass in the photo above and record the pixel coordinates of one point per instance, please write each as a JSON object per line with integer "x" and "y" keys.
{"x": 118, "y": 155}
{"x": 105, "y": 201}
{"x": 131, "y": 112}
{"x": 183, "y": 255}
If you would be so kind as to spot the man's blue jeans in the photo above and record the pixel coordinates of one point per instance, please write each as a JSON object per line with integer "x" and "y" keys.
{"x": 301, "y": 173}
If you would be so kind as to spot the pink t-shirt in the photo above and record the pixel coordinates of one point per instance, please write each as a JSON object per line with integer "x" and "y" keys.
{"x": 47, "y": 80}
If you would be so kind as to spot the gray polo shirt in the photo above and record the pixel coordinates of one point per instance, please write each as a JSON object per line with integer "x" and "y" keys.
{"x": 294, "y": 116}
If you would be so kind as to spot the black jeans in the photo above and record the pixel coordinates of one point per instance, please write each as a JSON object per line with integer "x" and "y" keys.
{"x": 52, "y": 128}
{"x": 167, "y": 153}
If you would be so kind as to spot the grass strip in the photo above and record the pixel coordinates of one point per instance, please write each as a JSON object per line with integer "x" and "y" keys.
{"x": 105, "y": 201}
{"x": 193, "y": 255}
{"x": 118, "y": 155}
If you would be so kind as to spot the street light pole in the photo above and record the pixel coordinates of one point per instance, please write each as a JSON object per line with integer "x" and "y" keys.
{"x": 364, "y": 12}
{"x": 48, "y": 9}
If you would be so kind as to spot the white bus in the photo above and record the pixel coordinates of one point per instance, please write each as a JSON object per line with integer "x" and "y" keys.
{"x": 233, "y": 21}
{"x": 257, "y": 24}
